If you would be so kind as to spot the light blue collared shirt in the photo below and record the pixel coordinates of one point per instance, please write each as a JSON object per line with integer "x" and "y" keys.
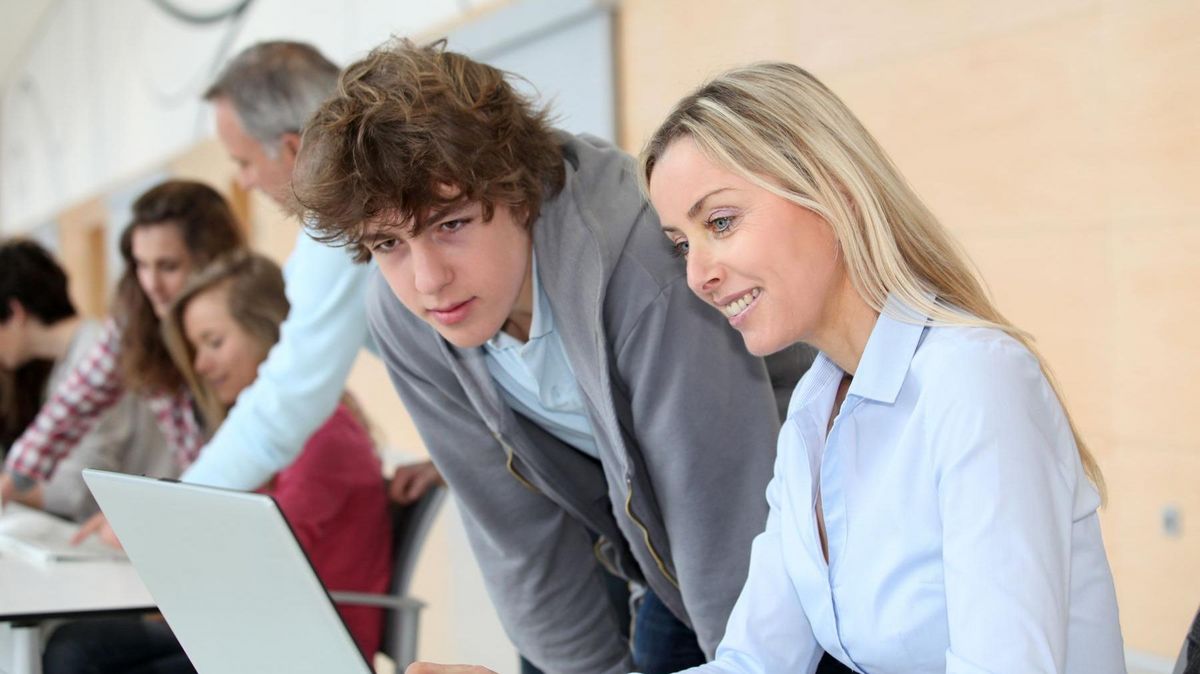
{"x": 962, "y": 531}
{"x": 536, "y": 379}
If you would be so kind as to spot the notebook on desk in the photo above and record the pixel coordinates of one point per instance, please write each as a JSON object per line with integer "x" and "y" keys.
{"x": 40, "y": 537}
{"x": 229, "y": 576}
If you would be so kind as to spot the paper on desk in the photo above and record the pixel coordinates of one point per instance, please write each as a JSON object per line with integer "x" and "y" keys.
{"x": 43, "y": 538}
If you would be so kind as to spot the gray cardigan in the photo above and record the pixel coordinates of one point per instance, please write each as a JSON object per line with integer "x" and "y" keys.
{"x": 684, "y": 418}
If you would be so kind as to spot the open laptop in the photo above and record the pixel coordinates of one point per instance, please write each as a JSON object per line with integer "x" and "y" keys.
{"x": 229, "y": 576}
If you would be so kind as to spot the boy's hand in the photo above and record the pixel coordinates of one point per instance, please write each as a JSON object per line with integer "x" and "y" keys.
{"x": 410, "y": 482}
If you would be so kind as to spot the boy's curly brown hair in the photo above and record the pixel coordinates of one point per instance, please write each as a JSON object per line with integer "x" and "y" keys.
{"x": 413, "y": 131}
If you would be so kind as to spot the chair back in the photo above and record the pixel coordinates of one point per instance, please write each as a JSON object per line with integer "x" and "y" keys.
{"x": 410, "y": 528}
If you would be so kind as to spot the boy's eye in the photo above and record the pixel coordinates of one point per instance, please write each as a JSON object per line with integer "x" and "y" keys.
{"x": 453, "y": 225}
{"x": 383, "y": 245}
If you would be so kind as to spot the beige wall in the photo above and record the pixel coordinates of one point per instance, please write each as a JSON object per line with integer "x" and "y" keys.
{"x": 1060, "y": 140}
{"x": 81, "y": 244}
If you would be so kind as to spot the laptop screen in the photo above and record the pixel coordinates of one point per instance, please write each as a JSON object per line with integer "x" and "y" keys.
{"x": 228, "y": 575}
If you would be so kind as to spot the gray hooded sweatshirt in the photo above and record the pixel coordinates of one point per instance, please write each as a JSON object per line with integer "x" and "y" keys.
{"x": 685, "y": 422}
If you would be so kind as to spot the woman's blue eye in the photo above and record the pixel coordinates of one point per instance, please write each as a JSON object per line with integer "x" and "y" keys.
{"x": 679, "y": 249}
{"x": 721, "y": 224}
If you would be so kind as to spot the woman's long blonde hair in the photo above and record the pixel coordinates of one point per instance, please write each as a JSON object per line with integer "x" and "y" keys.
{"x": 255, "y": 291}
{"x": 777, "y": 126}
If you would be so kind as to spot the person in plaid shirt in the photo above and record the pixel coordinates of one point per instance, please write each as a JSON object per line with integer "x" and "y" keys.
{"x": 177, "y": 227}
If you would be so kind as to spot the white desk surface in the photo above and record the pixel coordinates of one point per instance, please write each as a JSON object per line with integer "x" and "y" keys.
{"x": 33, "y": 591}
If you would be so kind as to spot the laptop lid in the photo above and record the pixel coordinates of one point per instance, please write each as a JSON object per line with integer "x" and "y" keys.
{"x": 229, "y": 576}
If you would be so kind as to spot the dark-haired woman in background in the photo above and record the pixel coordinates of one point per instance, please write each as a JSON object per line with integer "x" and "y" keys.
{"x": 41, "y": 340}
{"x": 177, "y": 227}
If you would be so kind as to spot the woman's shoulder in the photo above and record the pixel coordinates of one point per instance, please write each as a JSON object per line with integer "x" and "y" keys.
{"x": 89, "y": 335}
{"x": 957, "y": 365}
{"x": 975, "y": 348}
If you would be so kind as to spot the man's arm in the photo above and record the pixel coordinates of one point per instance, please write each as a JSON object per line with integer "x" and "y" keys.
{"x": 706, "y": 420}
{"x": 302, "y": 379}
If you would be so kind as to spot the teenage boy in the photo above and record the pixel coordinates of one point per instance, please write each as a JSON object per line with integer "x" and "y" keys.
{"x": 557, "y": 366}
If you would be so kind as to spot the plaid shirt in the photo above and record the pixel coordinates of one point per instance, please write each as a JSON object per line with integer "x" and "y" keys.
{"x": 88, "y": 391}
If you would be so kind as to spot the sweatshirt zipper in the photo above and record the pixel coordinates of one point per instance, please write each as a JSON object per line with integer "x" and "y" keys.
{"x": 508, "y": 450}
{"x": 645, "y": 532}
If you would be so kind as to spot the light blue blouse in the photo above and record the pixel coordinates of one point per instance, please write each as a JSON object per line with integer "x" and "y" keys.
{"x": 962, "y": 531}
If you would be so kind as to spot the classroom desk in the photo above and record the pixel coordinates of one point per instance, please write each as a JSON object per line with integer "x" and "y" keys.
{"x": 32, "y": 593}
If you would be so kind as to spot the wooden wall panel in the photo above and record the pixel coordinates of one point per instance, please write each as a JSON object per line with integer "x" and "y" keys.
{"x": 81, "y": 241}
{"x": 1155, "y": 362}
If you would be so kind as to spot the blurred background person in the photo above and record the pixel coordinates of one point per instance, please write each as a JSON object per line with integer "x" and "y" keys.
{"x": 42, "y": 339}
{"x": 176, "y": 228}
{"x": 219, "y": 331}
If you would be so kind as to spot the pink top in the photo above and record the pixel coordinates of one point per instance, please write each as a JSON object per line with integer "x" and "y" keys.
{"x": 333, "y": 496}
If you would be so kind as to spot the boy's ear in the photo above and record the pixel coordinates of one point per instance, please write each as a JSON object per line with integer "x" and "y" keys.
{"x": 521, "y": 214}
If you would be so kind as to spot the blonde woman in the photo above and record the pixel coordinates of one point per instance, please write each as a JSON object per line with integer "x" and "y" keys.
{"x": 218, "y": 331}
{"x": 933, "y": 508}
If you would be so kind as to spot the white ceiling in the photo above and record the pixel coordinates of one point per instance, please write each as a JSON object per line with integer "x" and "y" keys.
{"x": 19, "y": 21}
